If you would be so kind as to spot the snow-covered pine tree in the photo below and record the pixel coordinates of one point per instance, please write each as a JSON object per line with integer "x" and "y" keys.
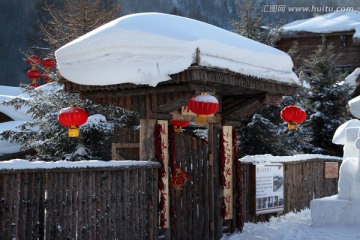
{"x": 49, "y": 139}
{"x": 326, "y": 99}
{"x": 264, "y": 132}
{"x": 67, "y": 21}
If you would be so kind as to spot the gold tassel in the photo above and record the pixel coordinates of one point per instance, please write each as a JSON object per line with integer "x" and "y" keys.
{"x": 73, "y": 131}
{"x": 293, "y": 125}
{"x": 201, "y": 120}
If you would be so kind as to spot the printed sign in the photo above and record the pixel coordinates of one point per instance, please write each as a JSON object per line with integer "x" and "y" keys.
{"x": 331, "y": 169}
{"x": 269, "y": 188}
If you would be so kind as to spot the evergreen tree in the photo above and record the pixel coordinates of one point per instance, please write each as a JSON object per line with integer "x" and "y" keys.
{"x": 326, "y": 99}
{"x": 49, "y": 139}
{"x": 264, "y": 132}
{"x": 45, "y": 134}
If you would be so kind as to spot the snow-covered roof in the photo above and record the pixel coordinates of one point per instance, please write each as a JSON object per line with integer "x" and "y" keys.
{"x": 146, "y": 48}
{"x": 268, "y": 158}
{"x": 10, "y": 91}
{"x": 328, "y": 23}
{"x": 5, "y": 146}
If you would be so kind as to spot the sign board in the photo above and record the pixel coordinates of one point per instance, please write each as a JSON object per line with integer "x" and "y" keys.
{"x": 331, "y": 170}
{"x": 269, "y": 188}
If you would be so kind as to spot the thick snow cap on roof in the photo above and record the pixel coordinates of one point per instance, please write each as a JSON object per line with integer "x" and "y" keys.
{"x": 328, "y": 23}
{"x": 146, "y": 48}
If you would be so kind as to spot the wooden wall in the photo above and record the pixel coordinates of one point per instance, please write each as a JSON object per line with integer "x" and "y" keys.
{"x": 307, "y": 44}
{"x": 88, "y": 203}
{"x": 303, "y": 181}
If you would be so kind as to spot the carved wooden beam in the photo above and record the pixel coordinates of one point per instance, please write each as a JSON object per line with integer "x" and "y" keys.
{"x": 137, "y": 91}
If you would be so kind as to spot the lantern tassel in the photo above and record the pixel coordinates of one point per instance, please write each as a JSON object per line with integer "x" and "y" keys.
{"x": 201, "y": 120}
{"x": 178, "y": 129}
{"x": 73, "y": 131}
{"x": 293, "y": 125}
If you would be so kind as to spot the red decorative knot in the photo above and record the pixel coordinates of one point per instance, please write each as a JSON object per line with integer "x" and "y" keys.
{"x": 33, "y": 60}
{"x": 179, "y": 124}
{"x": 46, "y": 77}
{"x": 179, "y": 179}
{"x": 293, "y": 116}
{"x": 34, "y": 85}
{"x": 48, "y": 63}
{"x": 72, "y": 117}
{"x": 203, "y": 105}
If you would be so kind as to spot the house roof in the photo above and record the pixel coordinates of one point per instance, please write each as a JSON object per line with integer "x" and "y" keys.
{"x": 148, "y": 48}
{"x": 328, "y": 23}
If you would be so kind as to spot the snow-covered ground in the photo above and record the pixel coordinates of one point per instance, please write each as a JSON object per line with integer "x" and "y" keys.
{"x": 294, "y": 226}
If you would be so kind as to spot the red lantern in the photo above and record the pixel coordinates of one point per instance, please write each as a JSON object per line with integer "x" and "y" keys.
{"x": 33, "y": 60}
{"x": 72, "y": 117}
{"x": 33, "y": 73}
{"x": 179, "y": 124}
{"x": 293, "y": 115}
{"x": 48, "y": 63}
{"x": 203, "y": 105}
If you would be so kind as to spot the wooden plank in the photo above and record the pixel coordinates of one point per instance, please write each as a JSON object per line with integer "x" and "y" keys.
{"x": 16, "y": 205}
{"x": 147, "y": 150}
{"x": 205, "y": 171}
{"x": 126, "y": 145}
{"x": 22, "y": 207}
{"x": 30, "y": 216}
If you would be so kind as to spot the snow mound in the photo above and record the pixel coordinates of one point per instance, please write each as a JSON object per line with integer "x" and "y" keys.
{"x": 355, "y": 106}
{"x": 146, "y": 48}
{"x": 351, "y": 79}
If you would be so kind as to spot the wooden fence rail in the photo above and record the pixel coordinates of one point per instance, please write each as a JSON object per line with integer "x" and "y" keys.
{"x": 89, "y": 203}
{"x": 303, "y": 181}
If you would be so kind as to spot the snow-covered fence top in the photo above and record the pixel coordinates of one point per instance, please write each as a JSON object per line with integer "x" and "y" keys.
{"x": 268, "y": 158}
{"x": 18, "y": 164}
{"x": 146, "y": 48}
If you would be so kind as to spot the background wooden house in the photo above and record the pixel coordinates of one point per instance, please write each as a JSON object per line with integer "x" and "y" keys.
{"x": 337, "y": 28}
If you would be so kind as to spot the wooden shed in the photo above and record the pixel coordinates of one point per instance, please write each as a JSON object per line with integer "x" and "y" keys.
{"x": 198, "y": 205}
{"x": 336, "y": 28}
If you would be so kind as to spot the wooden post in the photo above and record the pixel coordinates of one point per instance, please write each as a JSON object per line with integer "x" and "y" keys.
{"x": 147, "y": 148}
{"x": 215, "y": 191}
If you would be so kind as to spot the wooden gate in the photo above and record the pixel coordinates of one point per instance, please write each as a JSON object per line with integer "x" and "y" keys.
{"x": 125, "y": 145}
{"x": 191, "y": 204}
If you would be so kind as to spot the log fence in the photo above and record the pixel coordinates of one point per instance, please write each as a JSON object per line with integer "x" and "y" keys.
{"x": 80, "y": 203}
